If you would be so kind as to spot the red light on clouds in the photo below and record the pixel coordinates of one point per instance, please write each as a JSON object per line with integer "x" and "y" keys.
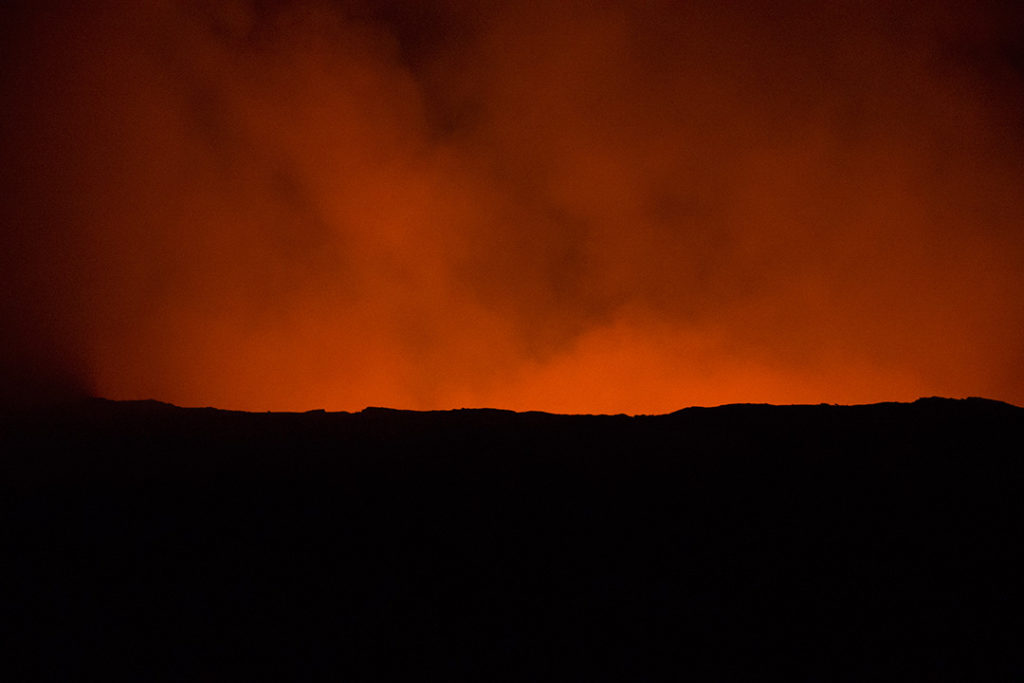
{"x": 532, "y": 206}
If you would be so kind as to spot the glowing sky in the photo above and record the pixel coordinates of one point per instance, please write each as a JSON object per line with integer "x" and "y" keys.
{"x": 575, "y": 207}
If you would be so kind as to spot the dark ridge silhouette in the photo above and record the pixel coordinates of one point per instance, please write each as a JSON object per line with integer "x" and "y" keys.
{"x": 744, "y": 542}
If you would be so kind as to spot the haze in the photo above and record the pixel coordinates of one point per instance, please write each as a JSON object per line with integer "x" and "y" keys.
{"x": 574, "y": 207}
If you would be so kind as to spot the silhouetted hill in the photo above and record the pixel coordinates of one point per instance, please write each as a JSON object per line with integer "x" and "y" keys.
{"x": 824, "y": 542}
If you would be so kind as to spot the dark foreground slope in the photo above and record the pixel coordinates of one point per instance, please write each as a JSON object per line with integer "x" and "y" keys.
{"x": 150, "y": 542}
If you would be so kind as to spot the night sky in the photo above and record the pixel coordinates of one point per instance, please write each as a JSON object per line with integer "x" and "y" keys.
{"x": 564, "y": 206}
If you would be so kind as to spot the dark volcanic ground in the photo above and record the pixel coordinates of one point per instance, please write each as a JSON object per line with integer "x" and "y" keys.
{"x": 150, "y": 542}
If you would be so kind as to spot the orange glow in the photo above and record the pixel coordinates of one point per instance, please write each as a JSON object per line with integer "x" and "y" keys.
{"x": 597, "y": 207}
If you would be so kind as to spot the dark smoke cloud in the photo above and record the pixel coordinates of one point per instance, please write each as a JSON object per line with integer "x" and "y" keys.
{"x": 602, "y": 206}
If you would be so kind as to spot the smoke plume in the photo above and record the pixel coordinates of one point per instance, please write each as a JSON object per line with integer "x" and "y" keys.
{"x": 576, "y": 207}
